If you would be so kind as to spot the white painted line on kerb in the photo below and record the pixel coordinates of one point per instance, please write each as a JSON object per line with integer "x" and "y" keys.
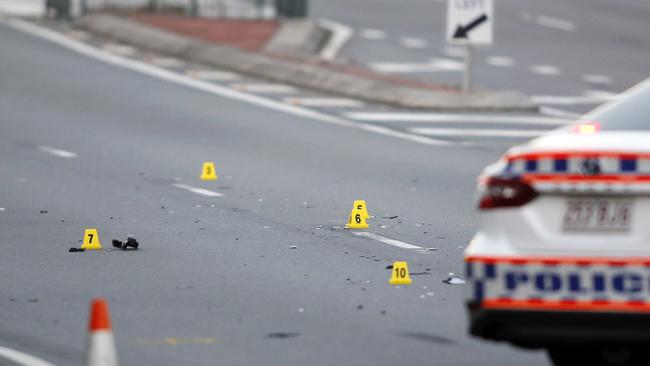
{"x": 22, "y": 358}
{"x": 385, "y": 240}
{"x": 555, "y": 23}
{"x": 340, "y": 35}
{"x": 500, "y": 61}
{"x": 572, "y": 99}
{"x": 548, "y": 70}
{"x": 196, "y": 190}
{"x": 372, "y": 34}
{"x": 477, "y": 132}
{"x": 119, "y": 49}
{"x": 58, "y": 152}
{"x": 414, "y": 43}
{"x": 325, "y": 102}
{"x": 211, "y": 75}
{"x": 214, "y": 89}
{"x": 265, "y": 88}
{"x": 166, "y": 62}
{"x": 455, "y": 118}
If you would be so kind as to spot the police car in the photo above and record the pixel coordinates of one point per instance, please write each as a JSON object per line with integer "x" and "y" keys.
{"x": 561, "y": 260}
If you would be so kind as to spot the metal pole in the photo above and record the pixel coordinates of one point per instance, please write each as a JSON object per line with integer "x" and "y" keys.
{"x": 467, "y": 75}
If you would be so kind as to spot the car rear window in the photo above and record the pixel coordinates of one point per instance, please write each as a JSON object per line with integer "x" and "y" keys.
{"x": 632, "y": 113}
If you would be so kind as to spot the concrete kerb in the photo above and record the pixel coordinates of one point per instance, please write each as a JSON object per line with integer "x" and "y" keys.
{"x": 298, "y": 74}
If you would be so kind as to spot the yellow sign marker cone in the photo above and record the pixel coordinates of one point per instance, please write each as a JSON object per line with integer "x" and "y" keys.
{"x": 357, "y": 219}
{"x": 400, "y": 274}
{"x": 208, "y": 172}
{"x": 91, "y": 240}
{"x": 361, "y": 205}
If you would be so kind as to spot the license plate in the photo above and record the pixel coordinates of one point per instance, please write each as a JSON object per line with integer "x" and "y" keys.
{"x": 598, "y": 214}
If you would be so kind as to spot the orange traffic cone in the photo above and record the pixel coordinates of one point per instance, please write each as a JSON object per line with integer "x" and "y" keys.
{"x": 100, "y": 347}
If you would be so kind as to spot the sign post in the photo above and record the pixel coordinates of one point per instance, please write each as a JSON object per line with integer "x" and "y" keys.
{"x": 469, "y": 23}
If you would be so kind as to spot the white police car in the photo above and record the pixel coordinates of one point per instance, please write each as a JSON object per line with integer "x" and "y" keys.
{"x": 562, "y": 257}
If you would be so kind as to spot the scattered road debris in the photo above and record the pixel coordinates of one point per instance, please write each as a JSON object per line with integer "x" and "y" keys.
{"x": 130, "y": 242}
{"x": 293, "y": 247}
{"x": 390, "y": 217}
{"x": 282, "y": 335}
{"x": 454, "y": 280}
{"x": 75, "y": 250}
{"x": 44, "y": 211}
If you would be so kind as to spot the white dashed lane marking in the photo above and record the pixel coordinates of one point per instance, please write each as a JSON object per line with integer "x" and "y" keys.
{"x": 455, "y": 118}
{"x": 500, "y": 61}
{"x": 452, "y": 132}
{"x": 57, "y": 152}
{"x": 385, "y": 240}
{"x": 21, "y": 358}
{"x": 435, "y": 65}
{"x": 597, "y": 79}
{"x": 414, "y": 43}
{"x": 548, "y": 70}
{"x": 212, "y": 75}
{"x": 325, "y": 102}
{"x": 372, "y": 34}
{"x": 555, "y": 23}
{"x": 196, "y": 190}
{"x": 265, "y": 88}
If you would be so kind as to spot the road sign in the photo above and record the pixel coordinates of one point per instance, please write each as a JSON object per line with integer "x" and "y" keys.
{"x": 470, "y": 21}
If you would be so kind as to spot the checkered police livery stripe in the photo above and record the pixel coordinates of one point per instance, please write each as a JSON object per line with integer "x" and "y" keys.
{"x": 570, "y": 163}
{"x": 574, "y": 284}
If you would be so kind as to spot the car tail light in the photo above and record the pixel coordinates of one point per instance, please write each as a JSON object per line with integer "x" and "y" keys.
{"x": 505, "y": 192}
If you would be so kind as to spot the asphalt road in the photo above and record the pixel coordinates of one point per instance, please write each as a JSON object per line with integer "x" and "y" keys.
{"x": 216, "y": 275}
{"x": 554, "y": 48}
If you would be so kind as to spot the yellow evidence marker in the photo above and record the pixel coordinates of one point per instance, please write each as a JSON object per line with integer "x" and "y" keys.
{"x": 91, "y": 240}
{"x": 400, "y": 274}
{"x": 361, "y": 205}
{"x": 357, "y": 219}
{"x": 208, "y": 172}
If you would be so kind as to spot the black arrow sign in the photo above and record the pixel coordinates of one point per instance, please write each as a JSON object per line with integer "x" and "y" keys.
{"x": 461, "y": 32}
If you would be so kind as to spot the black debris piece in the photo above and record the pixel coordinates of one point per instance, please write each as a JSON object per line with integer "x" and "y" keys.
{"x": 75, "y": 250}
{"x": 390, "y": 217}
{"x": 383, "y": 312}
{"x": 359, "y": 307}
{"x": 43, "y": 211}
{"x": 282, "y": 335}
{"x": 32, "y": 300}
{"x": 130, "y": 242}
{"x": 389, "y": 267}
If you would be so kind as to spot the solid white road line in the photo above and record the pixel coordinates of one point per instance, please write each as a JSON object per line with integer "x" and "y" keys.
{"x": 455, "y": 118}
{"x": 372, "y": 34}
{"x": 414, "y": 43}
{"x": 119, "y": 49}
{"x": 212, "y": 75}
{"x": 555, "y": 23}
{"x": 325, "y": 102}
{"x": 196, "y": 190}
{"x": 385, "y": 240}
{"x": 435, "y": 65}
{"x": 340, "y": 35}
{"x": 500, "y": 61}
{"x": 22, "y": 358}
{"x": 597, "y": 79}
{"x": 214, "y": 89}
{"x": 265, "y": 88}
{"x": 476, "y": 132}
{"x": 57, "y": 152}
{"x": 549, "y": 70}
